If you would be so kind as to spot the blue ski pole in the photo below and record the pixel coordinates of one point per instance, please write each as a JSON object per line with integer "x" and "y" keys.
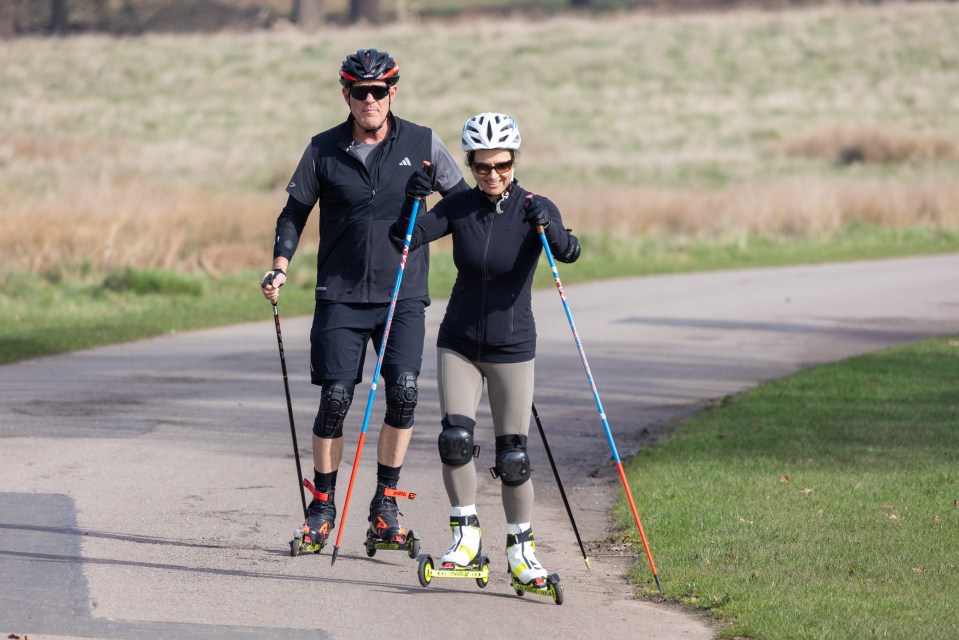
{"x": 599, "y": 404}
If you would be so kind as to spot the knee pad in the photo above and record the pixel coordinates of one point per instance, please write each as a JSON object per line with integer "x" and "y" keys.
{"x": 401, "y": 399}
{"x": 335, "y": 401}
{"x": 512, "y": 463}
{"x": 456, "y": 440}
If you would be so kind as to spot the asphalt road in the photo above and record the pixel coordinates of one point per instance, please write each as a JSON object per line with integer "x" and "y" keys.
{"x": 148, "y": 490}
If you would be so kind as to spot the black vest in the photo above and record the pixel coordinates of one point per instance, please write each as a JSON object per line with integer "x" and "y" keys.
{"x": 356, "y": 262}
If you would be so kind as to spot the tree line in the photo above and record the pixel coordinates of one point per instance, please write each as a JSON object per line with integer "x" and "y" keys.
{"x": 59, "y": 17}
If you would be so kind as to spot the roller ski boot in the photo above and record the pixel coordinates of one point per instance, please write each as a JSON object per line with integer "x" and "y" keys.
{"x": 527, "y": 575}
{"x": 320, "y": 520}
{"x": 385, "y": 532}
{"x": 464, "y": 559}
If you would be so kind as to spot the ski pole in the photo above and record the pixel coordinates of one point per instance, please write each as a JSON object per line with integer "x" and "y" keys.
{"x": 599, "y": 404}
{"x": 559, "y": 483}
{"x": 376, "y": 373}
{"x": 289, "y": 405}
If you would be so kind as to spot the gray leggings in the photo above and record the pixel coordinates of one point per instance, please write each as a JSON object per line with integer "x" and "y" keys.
{"x": 510, "y": 391}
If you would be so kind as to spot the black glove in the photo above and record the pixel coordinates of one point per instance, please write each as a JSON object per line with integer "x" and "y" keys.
{"x": 535, "y": 213}
{"x": 420, "y": 183}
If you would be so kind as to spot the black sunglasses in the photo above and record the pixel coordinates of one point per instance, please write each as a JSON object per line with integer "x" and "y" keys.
{"x": 379, "y": 91}
{"x": 483, "y": 169}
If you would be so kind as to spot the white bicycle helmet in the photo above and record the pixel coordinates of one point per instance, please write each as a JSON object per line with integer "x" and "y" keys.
{"x": 490, "y": 130}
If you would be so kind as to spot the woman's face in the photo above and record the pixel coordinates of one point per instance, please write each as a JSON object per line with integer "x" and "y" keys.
{"x": 493, "y": 170}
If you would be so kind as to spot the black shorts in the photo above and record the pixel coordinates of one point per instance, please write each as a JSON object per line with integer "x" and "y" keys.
{"x": 341, "y": 332}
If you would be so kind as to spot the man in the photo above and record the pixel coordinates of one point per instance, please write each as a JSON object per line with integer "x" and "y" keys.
{"x": 358, "y": 172}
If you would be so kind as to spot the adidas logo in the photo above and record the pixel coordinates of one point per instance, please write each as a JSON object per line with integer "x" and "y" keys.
{"x": 405, "y": 162}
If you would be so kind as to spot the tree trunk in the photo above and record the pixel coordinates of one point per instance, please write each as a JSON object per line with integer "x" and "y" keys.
{"x": 308, "y": 14}
{"x": 365, "y": 11}
{"x": 58, "y": 16}
{"x": 6, "y": 19}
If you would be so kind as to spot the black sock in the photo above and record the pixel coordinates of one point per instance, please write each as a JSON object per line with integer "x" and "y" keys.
{"x": 387, "y": 476}
{"x": 324, "y": 482}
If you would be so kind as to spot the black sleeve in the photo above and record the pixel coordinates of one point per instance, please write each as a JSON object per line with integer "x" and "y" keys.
{"x": 289, "y": 227}
{"x": 459, "y": 186}
{"x": 571, "y": 254}
{"x": 562, "y": 243}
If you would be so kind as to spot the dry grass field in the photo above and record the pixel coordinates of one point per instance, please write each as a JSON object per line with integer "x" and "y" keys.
{"x": 173, "y": 150}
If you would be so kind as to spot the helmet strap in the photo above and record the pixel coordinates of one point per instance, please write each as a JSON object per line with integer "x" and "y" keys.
{"x": 389, "y": 112}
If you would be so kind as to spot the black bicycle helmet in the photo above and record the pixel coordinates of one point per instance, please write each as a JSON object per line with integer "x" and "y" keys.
{"x": 369, "y": 64}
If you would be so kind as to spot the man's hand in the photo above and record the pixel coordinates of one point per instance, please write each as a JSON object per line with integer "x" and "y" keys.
{"x": 271, "y": 283}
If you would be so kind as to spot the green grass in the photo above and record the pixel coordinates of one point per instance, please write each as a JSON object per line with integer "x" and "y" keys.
{"x": 65, "y": 311}
{"x": 825, "y": 505}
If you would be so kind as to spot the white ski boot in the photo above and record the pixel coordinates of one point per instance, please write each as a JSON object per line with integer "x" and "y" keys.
{"x": 467, "y": 538}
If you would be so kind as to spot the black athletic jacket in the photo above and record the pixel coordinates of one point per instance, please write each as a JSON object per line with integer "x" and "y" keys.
{"x": 355, "y": 262}
{"x": 490, "y": 314}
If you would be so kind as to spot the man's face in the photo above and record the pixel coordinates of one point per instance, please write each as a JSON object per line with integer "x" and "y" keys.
{"x": 369, "y": 101}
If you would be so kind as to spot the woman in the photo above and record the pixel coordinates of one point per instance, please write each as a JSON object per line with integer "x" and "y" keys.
{"x": 488, "y": 333}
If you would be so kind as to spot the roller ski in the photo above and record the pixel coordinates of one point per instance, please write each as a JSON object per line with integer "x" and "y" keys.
{"x": 527, "y": 575}
{"x": 311, "y": 537}
{"x": 478, "y": 569}
{"x": 464, "y": 559}
{"x": 385, "y": 532}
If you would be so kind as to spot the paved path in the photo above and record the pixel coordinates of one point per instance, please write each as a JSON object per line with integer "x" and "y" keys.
{"x": 147, "y": 489}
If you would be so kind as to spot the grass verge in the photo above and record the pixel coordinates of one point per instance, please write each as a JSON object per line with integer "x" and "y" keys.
{"x": 821, "y": 506}
{"x": 65, "y": 311}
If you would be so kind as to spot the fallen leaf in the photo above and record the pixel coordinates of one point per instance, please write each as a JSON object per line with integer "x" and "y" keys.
{"x": 887, "y": 506}
{"x": 893, "y": 516}
{"x": 745, "y": 521}
{"x": 852, "y": 572}
{"x": 935, "y": 518}
{"x": 918, "y": 569}
{"x": 806, "y": 491}
{"x": 954, "y": 343}
{"x": 783, "y": 479}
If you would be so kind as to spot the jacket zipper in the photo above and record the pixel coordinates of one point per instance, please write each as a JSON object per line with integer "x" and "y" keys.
{"x": 482, "y": 333}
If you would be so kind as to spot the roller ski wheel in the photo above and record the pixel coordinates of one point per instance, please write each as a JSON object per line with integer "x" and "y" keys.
{"x": 548, "y": 586}
{"x": 425, "y": 570}
{"x": 410, "y": 544}
{"x": 477, "y": 570}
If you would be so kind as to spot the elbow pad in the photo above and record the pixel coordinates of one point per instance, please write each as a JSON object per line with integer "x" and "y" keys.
{"x": 289, "y": 226}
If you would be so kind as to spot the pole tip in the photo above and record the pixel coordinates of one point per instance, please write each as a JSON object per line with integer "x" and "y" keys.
{"x": 658, "y": 585}
{"x": 586, "y": 560}
{"x": 336, "y": 550}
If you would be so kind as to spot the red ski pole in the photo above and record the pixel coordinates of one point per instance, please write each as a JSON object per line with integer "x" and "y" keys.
{"x": 376, "y": 374}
